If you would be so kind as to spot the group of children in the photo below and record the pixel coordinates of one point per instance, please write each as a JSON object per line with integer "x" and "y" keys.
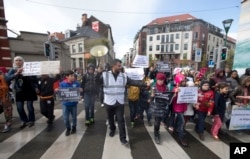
{"x": 174, "y": 115}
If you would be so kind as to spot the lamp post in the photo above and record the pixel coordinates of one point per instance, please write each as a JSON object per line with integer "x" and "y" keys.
{"x": 227, "y": 24}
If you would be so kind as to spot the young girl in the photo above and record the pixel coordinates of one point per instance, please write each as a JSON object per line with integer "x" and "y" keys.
{"x": 179, "y": 109}
{"x": 219, "y": 108}
{"x": 160, "y": 105}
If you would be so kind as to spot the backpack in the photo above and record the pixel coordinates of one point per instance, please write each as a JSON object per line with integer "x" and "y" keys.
{"x": 4, "y": 89}
{"x": 133, "y": 93}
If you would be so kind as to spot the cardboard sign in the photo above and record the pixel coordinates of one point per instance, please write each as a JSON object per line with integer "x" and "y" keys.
{"x": 141, "y": 61}
{"x": 135, "y": 73}
{"x": 69, "y": 94}
{"x": 187, "y": 95}
{"x": 240, "y": 118}
{"x": 168, "y": 96}
{"x": 40, "y": 68}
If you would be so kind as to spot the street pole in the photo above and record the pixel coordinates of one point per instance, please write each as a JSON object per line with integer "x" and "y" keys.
{"x": 218, "y": 57}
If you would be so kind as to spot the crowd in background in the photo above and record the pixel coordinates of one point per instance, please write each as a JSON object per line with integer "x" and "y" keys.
{"x": 110, "y": 85}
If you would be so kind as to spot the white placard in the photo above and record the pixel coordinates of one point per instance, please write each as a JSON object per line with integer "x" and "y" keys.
{"x": 135, "y": 73}
{"x": 140, "y": 61}
{"x": 240, "y": 118}
{"x": 36, "y": 68}
{"x": 187, "y": 95}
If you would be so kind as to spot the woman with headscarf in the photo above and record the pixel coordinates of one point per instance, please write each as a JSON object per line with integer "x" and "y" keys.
{"x": 25, "y": 90}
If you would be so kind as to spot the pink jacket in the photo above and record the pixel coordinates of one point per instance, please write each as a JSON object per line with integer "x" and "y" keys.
{"x": 178, "y": 108}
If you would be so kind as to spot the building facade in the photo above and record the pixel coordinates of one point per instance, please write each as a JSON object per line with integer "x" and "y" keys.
{"x": 174, "y": 39}
{"x": 92, "y": 32}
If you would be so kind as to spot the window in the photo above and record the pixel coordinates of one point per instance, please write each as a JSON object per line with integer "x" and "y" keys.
{"x": 172, "y": 38}
{"x": 80, "y": 48}
{"x": 208, "y": 37}
{"x": 186, "y": 35}
{"x": 213, "y": 39}
{"x": 177, "y": 36}
{"x": 157, "y": 47}
{"x": 167, "y": 48}
{"x": 176, "y": 47}
{"x": 172, "y": 48}
{"x": 151, "y": 38}
{"x": 203, "y": 37}
{"x": 162, "y": 48}
{"x": 158, "y": 37}
{"x": 185, "y": 46}
{"x": 73, "y": 48}
{"x": 196, "y": 35}
{"x": 163, "y": 38}
{"x": 80, "y": 63}
{"x": 150, "y": 48}
{"x": 167, "y": 38}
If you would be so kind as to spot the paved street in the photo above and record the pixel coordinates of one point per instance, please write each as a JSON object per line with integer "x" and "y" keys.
{"x": 94, "y": 142}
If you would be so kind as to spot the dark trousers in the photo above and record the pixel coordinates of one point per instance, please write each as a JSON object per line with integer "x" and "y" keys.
{"x": 119, "y": 112}
{"x": 47, "y": 109}
{"x": 200, "y": 125}
{"x": 157, "y": 124}
{"x": 22, "y": 114}
{"x": 133, "y": 106}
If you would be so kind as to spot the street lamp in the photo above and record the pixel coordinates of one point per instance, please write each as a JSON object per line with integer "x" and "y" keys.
{"x": 227, "y": 24}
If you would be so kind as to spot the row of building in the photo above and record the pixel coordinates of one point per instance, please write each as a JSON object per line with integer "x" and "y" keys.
{"x": 175, "y": 38}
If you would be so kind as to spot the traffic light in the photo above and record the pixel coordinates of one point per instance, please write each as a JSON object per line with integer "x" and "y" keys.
{"x": 223, "y": 54}
{"x": 47, "y": 50}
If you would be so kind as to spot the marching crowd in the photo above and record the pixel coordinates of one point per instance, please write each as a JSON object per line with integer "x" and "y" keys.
{"x": 113, "y": 86}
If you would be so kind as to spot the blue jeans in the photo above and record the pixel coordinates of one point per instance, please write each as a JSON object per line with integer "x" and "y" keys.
{"x": 133, "y": 106}
{"x": 22, "y": 113}
{"x": 180, "y": 124}
{"x": 89, "y": 103}
{"x": 200, "y": 125}
{"x": 67, "y": 110}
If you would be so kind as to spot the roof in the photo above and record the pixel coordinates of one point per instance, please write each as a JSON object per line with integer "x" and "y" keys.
{"x": 171, "y": 19}
{"x": 85, "y": 31}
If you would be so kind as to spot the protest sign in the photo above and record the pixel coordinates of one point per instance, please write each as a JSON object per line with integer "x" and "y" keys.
{"x": 69, "y": 94}
{"x": 40, "y": 67}
{"x": 167, "y": 96}
{"x": 162, "y": 67}
{"x": 187, "y": 95}
{"x": 135, "y": 73}
{"x": 240, "y": 118}
{"x": 140, "y": 61}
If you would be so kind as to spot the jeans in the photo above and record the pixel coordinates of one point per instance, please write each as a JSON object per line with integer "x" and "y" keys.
{"x": 67, "y": 110}
{"x": 119, "y": 112}
{"x": 180, "y": 122}
{"x": 22, "y": 113}
{"x": 89, "y": 103}
{"x": 200, "y": 125}
{"x": 133, "y": 106}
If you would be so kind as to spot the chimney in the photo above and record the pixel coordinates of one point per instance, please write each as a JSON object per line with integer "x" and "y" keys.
{"x": 84, "y": 19}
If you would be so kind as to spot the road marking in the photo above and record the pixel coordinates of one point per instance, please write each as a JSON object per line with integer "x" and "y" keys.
{"x": 168, "y": 148}
{"x": 65, "y": 146}
{"x": 17, "y": 141}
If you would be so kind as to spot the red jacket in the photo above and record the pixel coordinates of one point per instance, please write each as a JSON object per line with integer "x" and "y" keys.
{"x": 206, "y": 100}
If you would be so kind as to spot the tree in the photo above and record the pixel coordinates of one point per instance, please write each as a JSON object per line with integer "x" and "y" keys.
{"x": 230, "y": 58}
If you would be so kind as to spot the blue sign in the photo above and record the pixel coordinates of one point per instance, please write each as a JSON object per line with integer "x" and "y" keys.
{"x": 211, "y": 63}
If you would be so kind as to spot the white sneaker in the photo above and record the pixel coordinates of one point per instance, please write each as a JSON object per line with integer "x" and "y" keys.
{"x": 107, "y": 122}
{"x": 102, "y": 105}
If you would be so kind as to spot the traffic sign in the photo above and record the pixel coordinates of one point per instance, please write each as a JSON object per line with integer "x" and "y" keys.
{"x": 211, "y": 63}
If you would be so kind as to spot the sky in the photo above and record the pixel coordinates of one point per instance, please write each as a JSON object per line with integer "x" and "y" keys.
{"x": 126, "y": 17}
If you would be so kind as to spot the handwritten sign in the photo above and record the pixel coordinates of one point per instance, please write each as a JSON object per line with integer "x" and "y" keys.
{"x": 240, "y": 118}
{"x": 69, "y": 94}
{"x": 39, "y": 68}
{"x": 187, "y": 95}
{"x": 135, "y": 73}
{"x": 167, "y": 96}
{"x": 140, "y": 61}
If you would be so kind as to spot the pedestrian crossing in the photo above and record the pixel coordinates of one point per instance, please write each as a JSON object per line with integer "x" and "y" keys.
{"x": 94, "y": 142}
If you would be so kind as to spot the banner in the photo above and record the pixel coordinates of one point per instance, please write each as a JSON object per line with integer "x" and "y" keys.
{"x": 135, "y": 73}
{"x": 140, "y": 61}
{"x": 187, "y": 95}
{"x": 240, "y": 118}
{"x": 95, "y": 26}
{"x": 69, "y": 94}
{"x": 168, "y": 96}
{"x": 40, "y": 68}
